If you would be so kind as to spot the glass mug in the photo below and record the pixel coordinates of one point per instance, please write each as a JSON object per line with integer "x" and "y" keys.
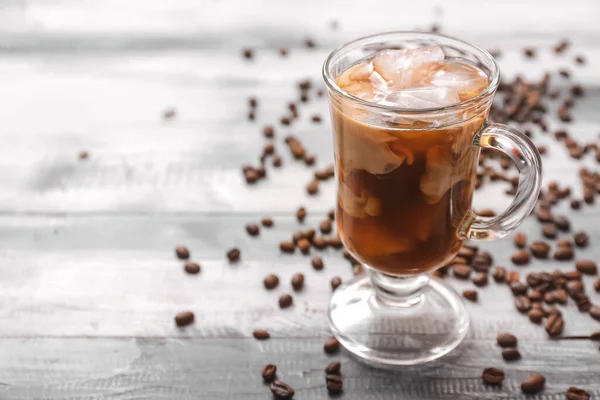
{"x": 404, "y": 204}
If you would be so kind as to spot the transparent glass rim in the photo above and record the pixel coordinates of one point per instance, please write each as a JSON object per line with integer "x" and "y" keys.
{"x": 475, "y": 50}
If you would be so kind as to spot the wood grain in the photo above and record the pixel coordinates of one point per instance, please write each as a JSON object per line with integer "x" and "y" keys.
{"x": 90, "y": 280}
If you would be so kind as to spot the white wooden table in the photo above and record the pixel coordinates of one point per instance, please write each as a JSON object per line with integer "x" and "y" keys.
{"x": 90, "y": 283}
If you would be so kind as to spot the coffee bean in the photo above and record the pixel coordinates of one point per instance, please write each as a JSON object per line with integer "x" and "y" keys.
{"x": 267, "y": 222}
{"x": 529, "y": 52}
{"x": 309, "y": 160}
{"x": 281, "y": 390}
{"x": 269, "y": 372}
{"x": 520, "y": 257}
{"x": 549, "y": 297}
{"x": 304, "y": 245}
{"x": 587, "y": 267}
{"x": 518, "y": 288}
{"x": 595, "y": 336}
{"x": 325, "y": 226}
{"x": 285, "y": 301}
{"x": 575, "y": 393}
{"x": 499, "y": 274}
{"x": 487, "y": 212}
{"x": 277, "y": 161}
{"x": 192, "y": 268}
{"x": 331, "y": 345}
{"x": 470, "y": 295}
{"x": 539, "y": 249}
{"x": 269, "y": 149}
{"x": 522, "y": 304}
{"x": 287, "y": 247}
{"x": 335, "y": 242}
{"x": 563, "y": 254}
{"x": 283, "y": 52}
{"x": 581, "y": 239}
{"x": 482, "y": 261}
{"x": 562, "y": 223}
{"x": 319, "y": 243}
{"x": 312, "y": 188}
{"x": 286, "y": 121}
{"x": 535, "y": 295}
{"x": 549, "y": 231}
{"x": 83, "y": 155}
{"x": 251, "y": 115}
{"x": 334, "y": 384}
{"x": 552, "y": 310}
{"x": 583, "y": 302}
{"x": 597, "y": 285}
{"x": 541, "y": 281}
{"x": 271, "y": 281}
{"x": 595, "y": 312}
{"x": 310, "y": 43}
{"x": 564, "y": 243}
{"x": 268, "y": 131}
{"x": 577, "y": 90}
{"x": 297, "y": 282}
{"x": 461, "y": 271}
{"x": 317, "y": 263}
{"x": 252, "y": 229}
{"x": 493, "y": 376}
{"x": 533, "y": 384}
{"x": 535, "y": 315}
{"x": 544, "y": 215}
{"x": 561, "y": 46}
{"x": 316, "y": 119}
{"x": 481, "y": 279}
{"x": 520, "y": 240}
{"x": 511, "y": 354}
{"x": 261, "y": 334}
{"x": 467, "y": 253}
{"x": 248, "y": 54}
{"x": 184, "y": 318}
{"x": 333, "y": 368}
{"x": 512, "y": 276}
{"x": 182, "y": 252}
{"x": 331, "y": 214}
{"x": 575, "y": 204}
{"x": 301, "y": 214}
{"x": 506, "y": 339}
{"x": 335, "y": 282}
{"x": 233, "y": 255}
{"x": 561, "y": 296}
{"x": 554, "y": 325}
{"x": 575, "y": 286}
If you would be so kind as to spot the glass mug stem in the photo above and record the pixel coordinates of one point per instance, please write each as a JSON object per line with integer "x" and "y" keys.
{"x": 397, "y": 291}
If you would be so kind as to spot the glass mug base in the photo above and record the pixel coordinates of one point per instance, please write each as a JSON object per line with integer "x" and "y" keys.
{"x": 382, "y": 333}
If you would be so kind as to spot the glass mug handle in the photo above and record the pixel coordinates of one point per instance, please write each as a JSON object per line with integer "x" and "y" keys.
{"x": 526, "y": 157}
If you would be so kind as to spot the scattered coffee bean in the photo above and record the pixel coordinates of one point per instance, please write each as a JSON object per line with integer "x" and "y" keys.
{"x": 335, "y": 282}
{"x": 248, "y": 54}
{"x": 182, "y": 252}
{"x": 575, "y": 393}
{"x": 544, "y": 215}
{"x": 192, "y": 268}
{"x": 301, "y": 214}
{"x": 325, "y": 226}
{"x": 549, "y": 231}
{"x": 319, "y": 243}
{"x": 271, "y": 281}
{"x": 486, "y": 212}
{"x": 562, "y": 223}
{"x": 309, "y": 160}
{"x": 587, "y": 267}
{"x": 481, "y": 279}
{"x": 563, "y": 254}
{"x": 312, "y": 188}
{"x": 535, "y": 295}
{"x": 317, "y": 263}
{"x": 277, "y": 161}
{"x": 577, "y": 90}
{"x": 522, "y": 304}
{"x": 595, "y": 312}
{"x": 461, "y": 271}
{"x": 597, "y": 285}
{"x": 283, "y": 52}
{"x": 310, "y": 43}
{"x": 493, "y": 376}
{"x": 520, "y": 257}
{"x": 499, "y": 274}
{"x": 331, "y": 345}
{"x": 511, "y": 354}
{"x": 539, "y": 281}
{"x": 535, "y": 315}
{"x": 533, "y": 384}
{"x": 285, "y": 300}
{"x": 233, "y": 255}
{"x": 518, "y": 288}
{"x": 549, "y": 297}
{"x": 316, "y": 119}
{"x": 269, "y": 372}
{"x": 561, "y": 296}
{"x": 297, "y": 282}
{"x": 304, "y": 245}
{"x": 575, "y": 204}
{"x": 520, "y": 240}
{"x": 529, "y": 52}
{"x": 506, "y": 339}
{"x": 252, "y": 229}
{"x": 267, "y": 222}
{"x": 564, "y": 243}
{"x": 333, "y": 368}
{"x": 287, "y": 247}
{"x": 261, "y": 334}
{"x": 83, "y": 155}
{"x": 554, "y": 325}
{"x": 470, "y": 295}
{"x": 334, "y": 384}
{"x": 331, "y": 214}
{"x": 581, "y": 239}
{"x": 281, "y": 390}
{"x": 184, "y": 318}
{"x": 539, "y": 249}
{"x": 512, "y": 276}
{"x": 268, "y": 131}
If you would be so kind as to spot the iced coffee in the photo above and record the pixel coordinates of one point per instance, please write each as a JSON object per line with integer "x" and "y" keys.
{"x": 406, "y": 179}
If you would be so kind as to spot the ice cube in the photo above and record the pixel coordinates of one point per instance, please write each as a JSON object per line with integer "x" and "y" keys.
{"x": 408, "y": 68}
{"x": 362, "y": 81}
{"x": 429, "y": 97}
{"x": 358, "y": 206}
{"x": 466, "y": 79}
{"x": 442, "y": 171}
